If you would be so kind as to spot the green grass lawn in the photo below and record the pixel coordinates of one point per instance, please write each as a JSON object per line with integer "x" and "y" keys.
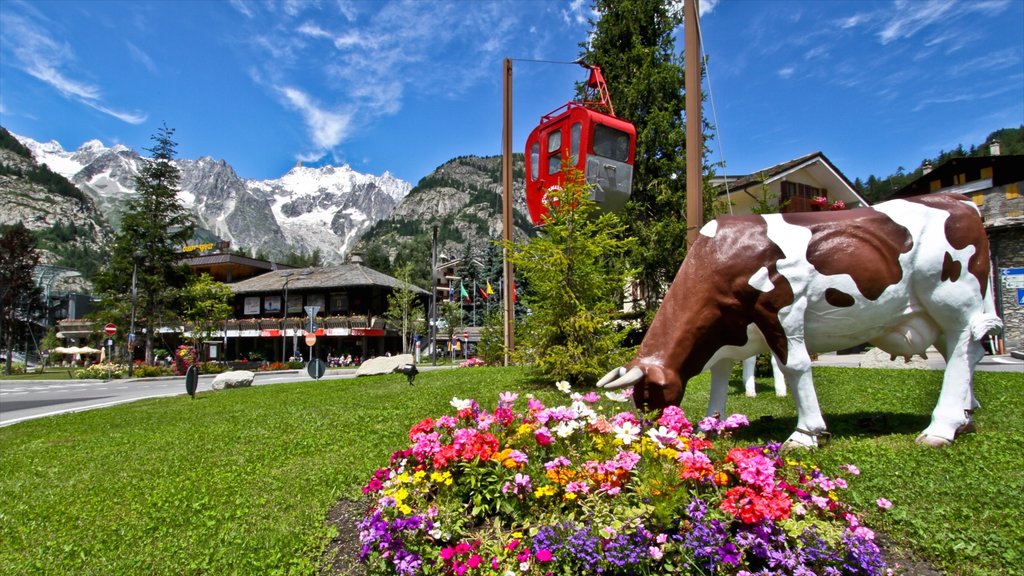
{"x": 240, "y": 481}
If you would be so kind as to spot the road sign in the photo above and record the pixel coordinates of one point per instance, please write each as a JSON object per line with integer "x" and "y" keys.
{"x": 1020, "y": 296}
{"x": 110, "y": 329}
{"x": 1012, "y": 277}
{"x": 310, "y": 339}
{"x": 311, "y": 310}
{"x": 316, "y": 369}
{"x": 191, "y": 380}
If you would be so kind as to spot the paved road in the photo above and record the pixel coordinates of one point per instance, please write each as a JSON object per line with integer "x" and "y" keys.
{"x": 25, "y": 399}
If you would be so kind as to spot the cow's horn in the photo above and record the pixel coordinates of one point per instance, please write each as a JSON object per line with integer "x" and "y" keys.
{"x": 620, "y": 378}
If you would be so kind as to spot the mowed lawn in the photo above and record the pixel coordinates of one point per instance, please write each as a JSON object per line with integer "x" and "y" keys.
{"x": 240, "y": 481}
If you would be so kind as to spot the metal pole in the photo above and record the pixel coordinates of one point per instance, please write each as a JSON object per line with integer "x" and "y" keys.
{"x": 131, "y": 325}
{"x": 284, "y": 319}
{"x": 506, "y": 209}
{"x": 694, "y": 141}
{"x": 433, "y": 296}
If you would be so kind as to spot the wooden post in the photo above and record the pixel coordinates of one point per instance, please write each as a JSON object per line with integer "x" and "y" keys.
{"x": 694, "y": 140}
{"x": 506, "y": 210}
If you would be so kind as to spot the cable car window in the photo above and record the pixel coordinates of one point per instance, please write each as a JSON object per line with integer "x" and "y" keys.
{"x": 574, "y": 141}
{"x": 554, "y": 141}
{"x": 611, "y": 143}
{"x": 555, "y": 152}
{"x": 535, "y": 160}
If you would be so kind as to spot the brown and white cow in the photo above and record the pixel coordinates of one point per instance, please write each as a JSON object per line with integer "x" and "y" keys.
{"x": 902, "y": 275}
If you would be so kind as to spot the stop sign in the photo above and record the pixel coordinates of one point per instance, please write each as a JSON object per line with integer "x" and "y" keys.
{"x": 110, "y": 329}
{"x": 310, "y": 339}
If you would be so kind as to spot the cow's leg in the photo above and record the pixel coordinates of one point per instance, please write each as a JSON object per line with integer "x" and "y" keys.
{"x": 749, "y": 385}
{"x": 780, "y": 378}
{"x": 809, "y": 424}
{"x": 956, "y": 400}
{"x": 720, "y": 372}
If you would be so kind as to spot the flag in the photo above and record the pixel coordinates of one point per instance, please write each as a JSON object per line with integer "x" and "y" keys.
{"x": 490, "y": 291}
{"x": 513, "y": 291}
{"x": 451, "y": 291}
{"x": 462, "y": 291}
{"x": 483, "y": 293}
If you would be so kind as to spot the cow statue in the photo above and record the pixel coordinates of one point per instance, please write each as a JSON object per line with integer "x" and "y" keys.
{"x": 902, "y": 275}
{"x": 749, "y": 373}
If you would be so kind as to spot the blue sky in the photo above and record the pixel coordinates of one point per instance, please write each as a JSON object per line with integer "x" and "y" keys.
{"x": 404, "y": 86}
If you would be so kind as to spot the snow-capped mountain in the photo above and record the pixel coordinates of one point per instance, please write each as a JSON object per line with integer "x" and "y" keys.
{"x": 326, "y": 208}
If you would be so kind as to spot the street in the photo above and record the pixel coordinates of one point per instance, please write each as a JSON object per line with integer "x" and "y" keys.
{"x": 25, "y": 399}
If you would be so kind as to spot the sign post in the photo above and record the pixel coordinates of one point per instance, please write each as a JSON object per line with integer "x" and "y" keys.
{"x": 311, "y": 333}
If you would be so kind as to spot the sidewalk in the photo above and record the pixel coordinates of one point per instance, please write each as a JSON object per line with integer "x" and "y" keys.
{"x": 878, "y": 359}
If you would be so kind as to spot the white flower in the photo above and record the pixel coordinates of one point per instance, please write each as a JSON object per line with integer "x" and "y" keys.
{"x": 663, "y": 436}
{"x": 563, "y": 387}
{"x": 461, "y": 404}
{"x": 617, "y": 396}
{"x": 565, "y": 429}
{"x": 627, "y": 432}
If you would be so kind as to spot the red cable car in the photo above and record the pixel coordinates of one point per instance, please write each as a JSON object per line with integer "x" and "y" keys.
{"x": 598, "y": 143}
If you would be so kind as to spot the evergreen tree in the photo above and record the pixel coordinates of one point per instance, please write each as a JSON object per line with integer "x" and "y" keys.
{"x": 632, "y": 44}
{"x": 154, "y": 228}
{"x": 576, "y": 270}
{"x": 20, "y": 297}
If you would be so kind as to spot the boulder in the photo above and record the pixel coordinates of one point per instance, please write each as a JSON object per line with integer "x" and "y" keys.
{"x": 233, "y": 379}
{"x": 384, "y": 364}
{"x": 878, "y": 358}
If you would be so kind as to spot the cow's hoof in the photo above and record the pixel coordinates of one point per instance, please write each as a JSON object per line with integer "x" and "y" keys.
{"x": 968, "y": 428}
{"x": 933, "y": 441}
{"x": 798, "y": 441}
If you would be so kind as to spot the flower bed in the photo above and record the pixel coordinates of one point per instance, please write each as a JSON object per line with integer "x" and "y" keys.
{"x": 572, "y": 490}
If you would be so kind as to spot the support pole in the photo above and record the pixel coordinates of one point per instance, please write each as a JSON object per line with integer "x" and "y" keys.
{"x": 694, "y": 141}
{"x": 506, "y": 210}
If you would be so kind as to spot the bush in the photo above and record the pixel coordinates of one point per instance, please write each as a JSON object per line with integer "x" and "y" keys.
{"x": 211, "y": 368}
{"x": 570, "y": 490}
{"x": 142, "y": 370}
{"x": 102, "y": 371}
{"x": 17, "y": 368}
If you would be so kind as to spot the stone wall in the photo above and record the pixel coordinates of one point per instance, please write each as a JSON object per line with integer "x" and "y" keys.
{"x": 1007, "y": 246}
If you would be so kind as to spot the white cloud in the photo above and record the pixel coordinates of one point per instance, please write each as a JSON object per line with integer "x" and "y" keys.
{"x": 909, "y": 17}
{"x": 786, "y": 72}
{"x": 327, "y": 128}
{"x": 43, "y": 58}
{"x": 141, "y": 57}
{"x": 243, "y": 7}
{"x": 574, "y": 14}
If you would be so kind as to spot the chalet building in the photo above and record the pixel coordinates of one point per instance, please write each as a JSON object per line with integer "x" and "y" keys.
{"x": 996, "y": 185}
{"x": 805, "y": 184}
{"x": 271, "y": 304}
{"x": 347, "y": 301}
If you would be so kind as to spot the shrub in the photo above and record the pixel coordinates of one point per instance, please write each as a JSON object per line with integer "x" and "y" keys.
{"x": 102, "y": 371}
{"x": 142, "y": 370}
{"x": 572, "y": 490}
{"x": 211, "y": 368}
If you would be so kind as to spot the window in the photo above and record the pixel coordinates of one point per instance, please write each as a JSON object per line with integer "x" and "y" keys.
{"x": 574, "y": 141}
{"x": 792, "y": 190}
{"x": 554, "y": 152}
{"x": 535, "y": 160}
{"x": 611, "y": 143}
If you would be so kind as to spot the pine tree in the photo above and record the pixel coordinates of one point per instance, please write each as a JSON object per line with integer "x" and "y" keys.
{"x": 632, "y": 43}
{"x": 20, "y": 297}
{"x": 576, "y": 271}
{"x": 154, "y": 228}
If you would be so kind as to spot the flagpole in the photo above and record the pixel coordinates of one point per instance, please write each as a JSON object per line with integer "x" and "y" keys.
{"x": 506, "y": 207}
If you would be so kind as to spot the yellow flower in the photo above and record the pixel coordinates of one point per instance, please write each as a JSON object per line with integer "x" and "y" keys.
{"x": 441, "y": 478}
{"x": 546, "y": 490}
{"x": 569, "y": 496}
{"x": 419, "y": 475}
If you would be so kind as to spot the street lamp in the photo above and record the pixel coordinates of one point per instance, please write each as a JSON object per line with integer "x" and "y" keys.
{"x": 284, "y": 315}
{"x": 131, "y": 324}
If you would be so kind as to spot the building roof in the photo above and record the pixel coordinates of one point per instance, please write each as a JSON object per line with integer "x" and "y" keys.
{"x": 963, "y": 175}
{"x": 322, "y": 278}
{"x": 780, "y": 170}
{"x": 229, "y": 268}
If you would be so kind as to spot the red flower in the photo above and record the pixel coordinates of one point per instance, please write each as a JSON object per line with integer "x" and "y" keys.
{"x": 752, "y": 507}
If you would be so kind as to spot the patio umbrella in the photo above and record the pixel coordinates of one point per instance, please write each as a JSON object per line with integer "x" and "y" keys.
{"x": 87, "y": 350}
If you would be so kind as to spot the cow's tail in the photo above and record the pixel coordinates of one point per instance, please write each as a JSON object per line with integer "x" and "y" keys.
{"x": 984, "y": 324}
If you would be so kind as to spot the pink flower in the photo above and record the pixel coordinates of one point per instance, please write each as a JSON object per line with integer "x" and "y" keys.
{"x": 883, "y": 503}
{"x": 544, "y": 555}
{"x": 850, "y": 468}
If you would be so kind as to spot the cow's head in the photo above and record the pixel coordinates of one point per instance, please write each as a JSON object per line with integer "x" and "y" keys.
{"x": 655, "y": 387}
